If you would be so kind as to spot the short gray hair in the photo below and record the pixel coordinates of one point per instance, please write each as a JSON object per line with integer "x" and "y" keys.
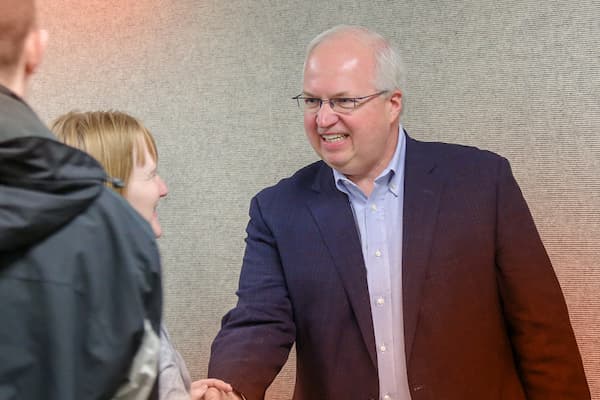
{"x": 389, "y": 69}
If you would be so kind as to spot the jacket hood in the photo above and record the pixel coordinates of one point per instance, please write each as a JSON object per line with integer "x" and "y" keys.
{"x": 44, "y": 184}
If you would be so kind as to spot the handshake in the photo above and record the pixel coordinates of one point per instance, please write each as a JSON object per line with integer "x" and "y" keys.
{"x": 213, "y": 389}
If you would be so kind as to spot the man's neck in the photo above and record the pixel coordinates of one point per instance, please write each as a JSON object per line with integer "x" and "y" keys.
{"x": 14, "y": 83}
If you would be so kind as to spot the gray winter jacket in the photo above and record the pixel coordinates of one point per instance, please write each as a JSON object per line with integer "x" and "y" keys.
{"x": 79, "y": 268}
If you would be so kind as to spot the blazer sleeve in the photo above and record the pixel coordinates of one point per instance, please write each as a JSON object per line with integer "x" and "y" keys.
{"x": 544, "y": 345}
{"x": 256, "y": 336}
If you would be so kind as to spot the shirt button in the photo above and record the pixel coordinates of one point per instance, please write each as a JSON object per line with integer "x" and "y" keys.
{"x": 393, "y": 186}
{"x": 382, "y": 348}
{"x": 374, "y": 207}
{"x": 380, "y": 301}
{"x": 378, "y": 253}
{"x": 387, "y": 397}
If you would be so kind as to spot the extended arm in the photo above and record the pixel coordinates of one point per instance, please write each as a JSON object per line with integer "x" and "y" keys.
{"x": 257, "y": 335}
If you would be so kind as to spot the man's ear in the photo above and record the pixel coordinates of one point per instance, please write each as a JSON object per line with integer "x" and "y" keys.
{"x": 395, "y": 102}
{"x": 35, "y": 48}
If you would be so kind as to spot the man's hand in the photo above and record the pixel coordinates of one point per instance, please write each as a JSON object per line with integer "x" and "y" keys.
{"x": 207, "y": 389}
{"x": 215, "y": 394}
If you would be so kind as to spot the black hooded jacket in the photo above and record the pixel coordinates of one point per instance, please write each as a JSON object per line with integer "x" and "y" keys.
{"x": 79, "y": 268}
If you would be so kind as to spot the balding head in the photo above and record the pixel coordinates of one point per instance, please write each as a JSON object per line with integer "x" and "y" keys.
{"x": 389, "y": 70}
{"x": 21, "y": 43}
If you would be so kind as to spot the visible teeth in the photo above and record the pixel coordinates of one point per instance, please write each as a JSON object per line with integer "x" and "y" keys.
{"x": 332, "y": 138}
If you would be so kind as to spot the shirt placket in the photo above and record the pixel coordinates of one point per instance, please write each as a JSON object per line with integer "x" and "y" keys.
{"x": 377, "y": 261}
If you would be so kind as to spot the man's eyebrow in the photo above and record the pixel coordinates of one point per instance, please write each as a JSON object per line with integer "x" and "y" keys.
{"x": 338, "y": 94}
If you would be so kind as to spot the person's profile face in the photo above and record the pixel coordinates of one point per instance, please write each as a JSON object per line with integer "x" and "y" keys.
{"x": 145, "y": 189}
{"x": 355, "y": 143}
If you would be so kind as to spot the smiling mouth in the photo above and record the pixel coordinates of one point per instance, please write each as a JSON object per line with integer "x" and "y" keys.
{"x": 337, "y": 137}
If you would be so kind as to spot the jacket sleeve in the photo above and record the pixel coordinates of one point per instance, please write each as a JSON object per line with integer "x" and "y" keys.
{"x": 121, "y": 291}
{"x": 543, "y": 342}
{"x": 257, "y": 335}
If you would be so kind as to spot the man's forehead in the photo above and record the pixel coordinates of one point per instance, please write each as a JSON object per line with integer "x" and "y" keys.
{"x": 339, "y": 62}
{"x": 345, "y": 51}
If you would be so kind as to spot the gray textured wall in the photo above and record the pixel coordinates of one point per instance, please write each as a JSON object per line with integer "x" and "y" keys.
{"x": 213, "y": 81}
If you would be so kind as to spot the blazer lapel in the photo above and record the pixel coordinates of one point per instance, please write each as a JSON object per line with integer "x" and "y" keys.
{"x": 422, "y": 190}
{"x": 333, "y": 215}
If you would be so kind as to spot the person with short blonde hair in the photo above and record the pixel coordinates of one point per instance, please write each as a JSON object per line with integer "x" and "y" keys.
{"x": 127, "y": 150}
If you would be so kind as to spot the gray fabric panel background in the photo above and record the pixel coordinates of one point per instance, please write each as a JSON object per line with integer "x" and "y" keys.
{"x": 213, "y": 81}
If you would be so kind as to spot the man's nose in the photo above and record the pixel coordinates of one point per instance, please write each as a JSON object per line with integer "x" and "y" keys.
{"x": 326, "y": 116}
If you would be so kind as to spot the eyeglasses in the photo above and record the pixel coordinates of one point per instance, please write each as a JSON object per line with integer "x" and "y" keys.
{"x": 342, "y": 105}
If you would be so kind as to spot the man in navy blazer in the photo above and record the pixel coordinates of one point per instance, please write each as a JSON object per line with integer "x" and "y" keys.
{"x": 400, "y": 269}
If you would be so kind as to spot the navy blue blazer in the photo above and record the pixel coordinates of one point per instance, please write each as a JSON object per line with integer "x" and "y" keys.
{"x": 484, "y": 315}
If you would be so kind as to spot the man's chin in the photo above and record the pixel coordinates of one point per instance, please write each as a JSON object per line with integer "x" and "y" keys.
{"x": 338, "y": 165}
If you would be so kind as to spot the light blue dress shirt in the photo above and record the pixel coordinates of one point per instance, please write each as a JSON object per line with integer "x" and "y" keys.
{"x": 379, "y": 222}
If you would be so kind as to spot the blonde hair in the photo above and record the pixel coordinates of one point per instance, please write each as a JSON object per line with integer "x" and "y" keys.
{"x": 113, "y": 138}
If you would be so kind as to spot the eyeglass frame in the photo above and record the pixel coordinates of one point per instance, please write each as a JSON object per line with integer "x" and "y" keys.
{"x": 334, "y": 102}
